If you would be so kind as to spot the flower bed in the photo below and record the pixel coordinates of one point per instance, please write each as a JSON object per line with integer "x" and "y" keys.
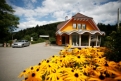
{"x": 87, "y": 64}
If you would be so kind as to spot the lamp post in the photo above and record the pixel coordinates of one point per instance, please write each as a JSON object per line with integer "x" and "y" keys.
{"x": 118, "y": 19}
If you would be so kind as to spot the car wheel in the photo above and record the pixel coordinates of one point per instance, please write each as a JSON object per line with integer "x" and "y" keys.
{"x": 22, "y": 46}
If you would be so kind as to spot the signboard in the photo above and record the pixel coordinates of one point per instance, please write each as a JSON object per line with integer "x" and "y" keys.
{"x": 44, "y": 36}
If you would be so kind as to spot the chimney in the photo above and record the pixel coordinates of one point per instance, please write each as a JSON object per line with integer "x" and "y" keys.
{"x": 118, "y": 19}
{"x": 66, "y": 18}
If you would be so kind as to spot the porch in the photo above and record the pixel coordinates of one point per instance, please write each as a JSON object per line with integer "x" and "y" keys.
{"x": 80, "y": 40}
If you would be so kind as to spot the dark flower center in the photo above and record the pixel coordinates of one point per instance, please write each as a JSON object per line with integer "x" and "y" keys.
{"x": 47, "y": 61}
{"x": 37, "y": 70}
{"x": 107, "y": 75}
{"x": 57, "y": 78}
{"x": 106, "y": 64}
{"x": 39, "y": 64}
{"x": 63, "y": 55}
{"x": 49, "y": 66}
{"x": 101, "y": 77}
{"x": 33, "y": 74}
{"x": 84, "y": 66}
{"x": 78, "y": 56}
{"x": 24, "y": 71}
{"x": 26, "y": 78}
{"x": 72, "y": 70}
{"x": 60, "y": 60}
{"x": 31, "y": 68}
{"x": 47, "y": 78}
{"x": 76, "y": 75}
{"x": 94, "y": 68}
{"x": 85, "y": 73}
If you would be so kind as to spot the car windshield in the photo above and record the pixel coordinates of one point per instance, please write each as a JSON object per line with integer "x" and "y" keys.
{"x": 20, "y": 40}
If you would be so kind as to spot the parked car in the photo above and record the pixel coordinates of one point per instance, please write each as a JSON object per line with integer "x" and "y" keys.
{"x": 1, "y": 45}
{"x": 21, "y": 43}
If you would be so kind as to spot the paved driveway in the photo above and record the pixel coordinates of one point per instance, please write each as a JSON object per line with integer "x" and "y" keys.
{"x": 15, "y": 60}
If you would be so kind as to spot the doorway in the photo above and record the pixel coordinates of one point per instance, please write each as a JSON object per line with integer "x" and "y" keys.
{"x": 63, "y": 39}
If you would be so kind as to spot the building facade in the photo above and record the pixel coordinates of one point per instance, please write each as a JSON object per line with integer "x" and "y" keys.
{"x": 79, "y": 31}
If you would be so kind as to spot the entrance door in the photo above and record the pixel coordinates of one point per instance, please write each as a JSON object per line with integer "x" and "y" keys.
{"x": 63, "y": 39}
{"x": 75, "y": 39}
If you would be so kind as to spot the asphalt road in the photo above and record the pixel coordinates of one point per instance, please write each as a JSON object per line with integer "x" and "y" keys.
{"x": 15, "y": 60}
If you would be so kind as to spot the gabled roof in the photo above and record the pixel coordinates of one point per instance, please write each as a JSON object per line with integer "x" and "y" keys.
{"x": 61, "y": 24}
{"x": 78, "y": 16}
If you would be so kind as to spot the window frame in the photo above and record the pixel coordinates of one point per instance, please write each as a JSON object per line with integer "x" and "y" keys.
{"x": 80, "y": 26}
{"x": 84, "y": 26}
{"x": 74, "y": 26}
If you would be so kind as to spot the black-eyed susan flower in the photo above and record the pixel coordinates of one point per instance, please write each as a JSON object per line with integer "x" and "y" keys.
{"x": 87, "y": 64}
{"x": 80, "y": 59}
{"x": 55, "y": 75}
{"x": 74, "y": 75}
{"x": 34, "y": 76}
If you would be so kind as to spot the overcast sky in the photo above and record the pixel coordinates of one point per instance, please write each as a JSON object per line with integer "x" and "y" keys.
{"x": 33, "y": 12}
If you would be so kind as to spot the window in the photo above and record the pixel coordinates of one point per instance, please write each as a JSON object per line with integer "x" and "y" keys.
{"x": 74, "y": 25}
{"x": 83, "y": 26}
{"x": 79, "y": 26}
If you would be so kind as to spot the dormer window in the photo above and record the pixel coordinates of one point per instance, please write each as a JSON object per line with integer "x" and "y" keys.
{"x": 79, "y": 26}
{"x": 84, "y": 26}
{"x": 74, "y": 25}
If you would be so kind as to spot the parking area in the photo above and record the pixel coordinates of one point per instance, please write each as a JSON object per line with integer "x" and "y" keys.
{"x": 15, "y": 60}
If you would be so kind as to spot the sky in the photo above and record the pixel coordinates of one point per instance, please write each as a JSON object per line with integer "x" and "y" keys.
{"x": 41, "y": 12}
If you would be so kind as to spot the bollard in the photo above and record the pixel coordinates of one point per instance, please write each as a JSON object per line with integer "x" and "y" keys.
{"x": 4, "y": 44}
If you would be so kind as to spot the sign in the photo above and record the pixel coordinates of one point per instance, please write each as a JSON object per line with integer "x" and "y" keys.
{"x": 44, "y": 36}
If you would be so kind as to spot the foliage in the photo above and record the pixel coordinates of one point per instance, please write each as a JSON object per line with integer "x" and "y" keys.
{"x": 27, "y": 37}
{"x": 52, "y": 40}
{"x": 8, "y": 21}
{"x": 48, "y": 29}
{"x": 38, "y": 41}
{"x": 87, "y": 64}
{"x": 114, "y": 44}
{"x": 35, "y": 36}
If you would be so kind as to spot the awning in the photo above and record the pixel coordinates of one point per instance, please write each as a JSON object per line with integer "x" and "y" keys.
{"x": 81, "y": 32}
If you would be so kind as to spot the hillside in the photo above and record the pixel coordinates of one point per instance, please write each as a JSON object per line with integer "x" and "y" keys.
{"x": 48, "y": 29}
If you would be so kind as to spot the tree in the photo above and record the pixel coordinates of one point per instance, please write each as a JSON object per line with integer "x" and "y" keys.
{"x": 114, "y": 44}
{"x": 35, "y": 36}
{"x": 8, "y": 21}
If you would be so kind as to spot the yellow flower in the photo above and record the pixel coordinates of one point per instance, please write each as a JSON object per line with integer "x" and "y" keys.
{"x": 56, "y": 75}
{"x": 74, "y": 75}
{"x": 28, "y": 70}
{"x": 66, "y": 59}
{"x": 75, "y": 51}
{"x": 87, "y": 64}
{"x": 100, "y": 60}
{"x": 63, "y": 52}
{"x": 80, "y": 59}
{"x": 103, "y": 76}
{"x": 67, "y": 47}
{"x": 106, "y": 66}
{"x": 51, "y": 67}
{"x": 34, "y": 76}
{"x": 54, "y": 58}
